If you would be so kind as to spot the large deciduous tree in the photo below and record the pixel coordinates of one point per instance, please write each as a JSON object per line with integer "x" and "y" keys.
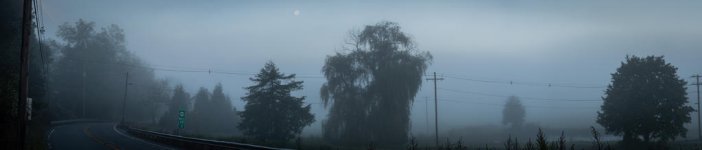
{"x": 513, "y": 113}
{"x": 90, "y": 72}
{"x": 371, "y": 88}
{"x": 645, "y": 101}
{"x": 271, "y": 114}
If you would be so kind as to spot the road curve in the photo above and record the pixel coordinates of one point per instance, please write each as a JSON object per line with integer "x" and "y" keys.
{"x": 95, "y": 136}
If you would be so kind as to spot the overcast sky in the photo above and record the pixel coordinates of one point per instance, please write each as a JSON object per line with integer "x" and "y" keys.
{"x": 478, "y": 46}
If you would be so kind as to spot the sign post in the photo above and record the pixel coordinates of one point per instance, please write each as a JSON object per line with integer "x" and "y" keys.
{"x": 29, "y": 108}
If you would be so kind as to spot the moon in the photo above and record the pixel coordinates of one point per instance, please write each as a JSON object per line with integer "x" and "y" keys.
{"x": 296, "y": 12}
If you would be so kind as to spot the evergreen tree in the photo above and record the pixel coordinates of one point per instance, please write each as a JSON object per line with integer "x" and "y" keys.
{"x": 271, "y": 114}
{"x": 513, "y": 113}
{"x": 179, "y": 101}
{"x": 224, "y": 113}
{"x": 202, "y": 112}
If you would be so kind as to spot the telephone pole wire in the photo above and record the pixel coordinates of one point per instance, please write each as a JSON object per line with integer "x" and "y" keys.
{"x": 436, "y": 109}
{"x": 699, "y": 126}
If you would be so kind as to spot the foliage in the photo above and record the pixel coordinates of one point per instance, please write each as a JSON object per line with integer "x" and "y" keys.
{"x": 371, "y": 88}
{"x": 213, "y": 113}
{"x": 200, "y": 116}
{"x": 271, "y": 114}
{"x": 646, "y": 99}
{"x": 179, "y": 101}
{"x": 89, "y": 76}
{"x": 160, "y": 94}
{"x": 529, "y": 145}
{"x": 513, "y": 113}
{"x": 412, "y": 145}
{"x": 225, "y": 116}
{"x": 541, "y": 140}
{"x": 596, "y": 138}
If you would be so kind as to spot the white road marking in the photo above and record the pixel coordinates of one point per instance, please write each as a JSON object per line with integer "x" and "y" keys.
{"x": 49, "y": 138}
{"x": 138, "y": 139}
{"x": 50, "y": 133}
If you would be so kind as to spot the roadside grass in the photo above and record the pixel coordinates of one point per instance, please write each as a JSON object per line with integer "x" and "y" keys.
{"x": 539, "y": 142}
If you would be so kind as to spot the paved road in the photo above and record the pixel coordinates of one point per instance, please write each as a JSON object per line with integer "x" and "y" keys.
{"x": 97, "y": 136}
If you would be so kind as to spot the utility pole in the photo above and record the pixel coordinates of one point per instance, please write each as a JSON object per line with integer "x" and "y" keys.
{"x": 124, "y": 101}
{"x": 426, "y": 111}
{"x": 24, "y": 73}
{"x": 83, "y": 90}
{"x": 436, "y": 110}
{"x": 699, "y": 126}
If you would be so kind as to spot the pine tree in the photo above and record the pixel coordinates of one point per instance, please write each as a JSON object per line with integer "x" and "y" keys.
{"x": 271, "y": 114}
{"x": 178, "y": 102}
{"x": 202, "y": 112}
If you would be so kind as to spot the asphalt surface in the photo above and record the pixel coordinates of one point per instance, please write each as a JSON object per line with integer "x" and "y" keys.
{"x": 96, "y": 136}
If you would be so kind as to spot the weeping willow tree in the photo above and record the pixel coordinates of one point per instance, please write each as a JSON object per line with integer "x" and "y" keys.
{"x": 370, "y": 89}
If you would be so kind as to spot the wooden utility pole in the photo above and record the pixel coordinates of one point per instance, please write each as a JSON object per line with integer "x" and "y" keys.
{"x": 699, "y": 126}
{"x": 124, "y": 101}
{"x": 436, "y": 110}
{"x": 24, "y": 74}
{"x": 426, "y": 111}
{"x": 83, "y": 90}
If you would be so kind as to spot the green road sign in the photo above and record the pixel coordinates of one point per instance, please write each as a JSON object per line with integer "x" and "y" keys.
{"x": 181, "y": 123}
{"x": 181, "y": 119}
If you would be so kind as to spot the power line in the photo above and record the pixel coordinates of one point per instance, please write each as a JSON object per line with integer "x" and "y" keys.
{"x": 510, "y": 82}
{"x": 530, "y": 98}
{"x": 39, "y": 33}
{"x": 469, "y": 101}
{"x": 200, "y": 70}
{"x": 501, "y": 105}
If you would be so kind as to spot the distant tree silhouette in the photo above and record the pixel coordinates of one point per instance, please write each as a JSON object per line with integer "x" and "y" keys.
{"x": 179, "y": 101}
{"x": 200, "y": 117}
{"x": 213, "y": 114}
{"x": 271, "y": 114}
{"x": 647, "y": 100}
{"x": 513, "y": 113}
{"x": 372, "y": 87}
{"x": 225, "y": 116}
{"x": 91, "y": 73}
{"x": 161, "y": 94}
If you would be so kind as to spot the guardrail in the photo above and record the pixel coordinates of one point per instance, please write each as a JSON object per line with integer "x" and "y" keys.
{"x": 191, "y": 143}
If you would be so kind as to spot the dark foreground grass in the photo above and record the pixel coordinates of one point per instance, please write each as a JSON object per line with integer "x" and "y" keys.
{"x": 538, "y": 142}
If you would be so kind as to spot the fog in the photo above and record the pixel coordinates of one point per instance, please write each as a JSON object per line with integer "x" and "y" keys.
{"x": 556, "y": 56}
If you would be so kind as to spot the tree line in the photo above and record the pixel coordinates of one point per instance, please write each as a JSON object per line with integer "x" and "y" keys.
{"x": 91, "y": 72}
{"x": 368, "y": 92}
